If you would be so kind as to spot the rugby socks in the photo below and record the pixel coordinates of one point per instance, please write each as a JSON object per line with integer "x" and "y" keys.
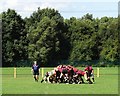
{"x": 35, "y": 79}
{"x": 93, "y": 79}
{"x": 89, "y": 81}
{"x": 42, "y": 80}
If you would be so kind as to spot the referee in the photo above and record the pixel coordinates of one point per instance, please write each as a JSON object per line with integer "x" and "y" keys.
{"x": 35, "y": 70}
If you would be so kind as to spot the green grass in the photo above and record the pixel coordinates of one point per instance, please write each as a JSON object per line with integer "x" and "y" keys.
{"x": 107, "y": 83}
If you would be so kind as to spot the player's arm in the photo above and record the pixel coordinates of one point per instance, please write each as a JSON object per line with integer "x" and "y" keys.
{"x": 86, "y": 69}
{"x": 92, "y": 71}
{"x": 39, "y": 69}
{"x": 32, "y": 70}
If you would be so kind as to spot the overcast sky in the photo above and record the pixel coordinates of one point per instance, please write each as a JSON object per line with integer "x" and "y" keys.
{"x": 67, "y": 8}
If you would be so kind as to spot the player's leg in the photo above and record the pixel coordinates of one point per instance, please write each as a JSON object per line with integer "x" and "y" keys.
{"x": 48, "y": 79}
{"x": 92, "y": 76}
{"x": 37, "y": 76}
{"x": 81, "y": 79}
{"x": 87, "y": 78}
{"x": 42, "y": 80}
{"x": 34, "y": 75}
{"x": 89, "y": 81}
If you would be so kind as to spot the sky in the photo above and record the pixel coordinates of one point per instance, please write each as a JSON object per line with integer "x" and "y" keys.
{"x": 67, "y": 8}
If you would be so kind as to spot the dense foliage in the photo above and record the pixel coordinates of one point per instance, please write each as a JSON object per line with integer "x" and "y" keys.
{"x": 14, "y": 42}
{"x": 47, "y": 37}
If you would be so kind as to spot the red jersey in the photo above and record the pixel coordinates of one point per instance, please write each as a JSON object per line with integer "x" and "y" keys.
{"x": 75, "y": 70}
{"x": 80, "y": 72}
{"x": 89, "y": 68}
{"x": 60, "y": 69}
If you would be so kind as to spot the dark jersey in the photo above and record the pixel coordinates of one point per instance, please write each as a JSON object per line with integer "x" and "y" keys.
{"x": 35, "y": 68}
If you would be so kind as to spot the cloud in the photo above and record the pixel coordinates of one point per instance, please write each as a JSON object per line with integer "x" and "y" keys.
{"x": 27, "y": 8}
{"x": 11, "y": 3}
{"x": 55, "y": 5}
{"x": 30, "y": 5}
{"x": 73, "y": 0}
{"x": 5, "y": 4}
{"x": 66, "y": 7}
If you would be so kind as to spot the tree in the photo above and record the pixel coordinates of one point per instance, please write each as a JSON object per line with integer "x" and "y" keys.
{"x": 88, "y": 16}
{"x": 14, "y": 45}
{"x": 110, "y": 41}
{"x": 81, "y": 31}
{"x": 49, "y": 38}
{"x": 44, "y": 38}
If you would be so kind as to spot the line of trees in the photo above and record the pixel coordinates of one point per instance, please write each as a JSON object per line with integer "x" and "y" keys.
{"x": 47, "y": 37}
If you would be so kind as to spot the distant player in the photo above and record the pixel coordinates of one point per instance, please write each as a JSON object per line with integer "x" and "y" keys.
{"x": 90, "y": 72}
{"x": 45, "y": 77}
{"x": 35, "y": 70}
{"x": 81, "y": 74}
{"x": 49, "y": 77}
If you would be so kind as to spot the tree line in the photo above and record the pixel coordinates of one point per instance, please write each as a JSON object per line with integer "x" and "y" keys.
{"x": 48, "y": 38}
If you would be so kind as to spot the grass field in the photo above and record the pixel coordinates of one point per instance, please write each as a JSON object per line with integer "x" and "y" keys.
{"x": 107, "y": 83}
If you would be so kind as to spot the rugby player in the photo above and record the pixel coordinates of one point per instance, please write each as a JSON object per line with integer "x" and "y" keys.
{"x": 45, "y": 77}
{"x": 49, "y": 77}
{"x": 90, "y": 72}
{"x": 81, "y": 74}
